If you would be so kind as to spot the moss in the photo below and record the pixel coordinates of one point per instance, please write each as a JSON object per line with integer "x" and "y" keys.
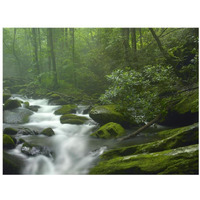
{"x": 179, "y": 138}
{"x": 6, "y": 97}
{"x": 183, "y": 160}
{"x": 48, "y": 132}
{"x": 11, "y": 104}
{"x": 55, "y": 96}
{"x": 66, "y": 109}
{"x": 8, "y": 142}
{"x": 26, "y": 104}
{"x": 72, "y": 119}
{"x": 10, "y": 131}
{"x": 109, "y": 130}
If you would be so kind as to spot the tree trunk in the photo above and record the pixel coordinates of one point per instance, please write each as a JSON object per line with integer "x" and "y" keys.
{"x": 141, "y": 129}
{"x": 40, "y": 47}
{"x": 134, "y": 43}
{"x": 35, "y": 45}
{"x": 53, "y": 58}
{"x": 48, "y": 51}
{"x": 141, "y": 42}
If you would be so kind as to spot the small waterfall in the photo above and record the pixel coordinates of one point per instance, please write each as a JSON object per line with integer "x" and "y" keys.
{"x": 70, "y": 144}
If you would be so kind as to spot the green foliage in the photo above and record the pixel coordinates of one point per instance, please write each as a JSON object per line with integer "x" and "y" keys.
{"x": 138, "y": 93}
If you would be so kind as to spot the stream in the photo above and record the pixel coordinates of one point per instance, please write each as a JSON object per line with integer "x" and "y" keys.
{"x": 74, "y": 150}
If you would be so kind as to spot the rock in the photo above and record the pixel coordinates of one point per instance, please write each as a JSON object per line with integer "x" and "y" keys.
{"x": 87, "y": 110}
{"x": 6, "y": 97}
{"x": 16, "y": 116}
{"x": 66, "y": 109}
{"x": 48, "y": 132}
{"x": 108, "y": 113}
{"x": 184, "y": 112}
{"x": 173, "y": 138}
{"x": 8, "y": 142}
{"x": 182, "y": 160}
{"x": 34, "y": 108}
{"x": 72, "y": 119}
{"x": 10, "y": 131}
{"x": 12, "y": 164}
{"x": 109, "y": 130}
{"x": 34, "y": 150}
{"x": 26, "y": 104}
{"x": 27, "y": 131}
{"x": 11, "y": 104}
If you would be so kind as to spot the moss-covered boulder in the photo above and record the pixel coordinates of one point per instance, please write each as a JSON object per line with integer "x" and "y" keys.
{"x": 10, "y": 131}
{"x": 8, "y": 142}
{"x": 12, "y": 164}
{"x": 184, "y": 111}
{"x": 108, "y": 113}
{"x": 11, "y": 104}
{"x": 109, "y": 130}
{"x": 48, "y": 132}
{"x": 34, "y": 150}
{"x": 174, "y": 138}
{"x": 6, "y": 97}
{"x": 182, "y": 160}
{"x": 66, "y": 109}
{"x": 72, "y": 119}
{"x": 26, "y": 104}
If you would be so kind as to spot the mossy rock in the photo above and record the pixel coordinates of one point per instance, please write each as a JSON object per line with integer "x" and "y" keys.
{"x": 12, "y": 164}
{"x": 10, "y": 131}
{"x": 108, "y": 113}
{"x": 26, "y": 104}
{"x": 48, "y": 132}
{"x": 175, "y": 138}
{"x": 66, "y": 109}
{"x": 8, "y": 142}
{"x": 109, "y": 130}
{"x": 54, "y": 96}
{"x": 182, "y": 160}
{"x": 72, "y": 119}
{"x": 6, "y": 97}
{"x": 11, "y": 104}
{"x": 184, "y": 112}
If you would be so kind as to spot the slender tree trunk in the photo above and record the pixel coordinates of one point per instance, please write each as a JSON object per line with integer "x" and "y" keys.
{"x": 134, "y": 43}
{"x": 141, "y": 42}
{"x": 35, "y": 45}
{"x": 40, "y": 48}
{"x": 141, "y": 129}
{"x": 53, "y": 58}
{"x": 48, "y": 51}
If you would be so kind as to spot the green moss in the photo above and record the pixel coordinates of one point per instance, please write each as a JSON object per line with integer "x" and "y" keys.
{"x": 48, "y": 132}
{"x": 10, "y": 131}
{"x": 26, "y": 104}
{"x": 66, "y": 109}
{"x": 109, "y": 130}
{"x": 11, "y": 104}
{"x": 183, "y": 160}
{"x": 55, "y": 96}
{"x": 72, "y": 119}
{"x": 8, "y": 142}
{"x": 189, "y": 103}
{"x": 6, "y": 97}
{"x": 179, "y": 138}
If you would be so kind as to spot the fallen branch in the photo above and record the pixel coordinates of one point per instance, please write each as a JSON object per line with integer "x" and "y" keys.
{"x": 141, "y": 129}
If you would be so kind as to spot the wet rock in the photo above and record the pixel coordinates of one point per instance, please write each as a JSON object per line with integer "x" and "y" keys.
{"x": 6, "y": 97}
{"x": 182, "y": 160}
{"x": 10, "y": 131}
{"x": 66, "y": 109}
{"x": 8, "y": 142}
{"x": 12, "y": 164}
{"x": 16, "y": 116}
{"x": 34, "y": 150}
{"x": 48, "y": 132}
{"x": 34, "y": 108}
{"x": 27, "y": 131}
{"x": 12, "y": 104}
{"x": 109, "y": 130}
{"x": 72, "y": 119}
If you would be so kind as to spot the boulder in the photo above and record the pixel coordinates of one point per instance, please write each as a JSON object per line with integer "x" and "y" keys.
{"x": 182, "y": 160}
{"x": 10, "y": 131}
{"x": 48, "y": 132}
{"x": 16, "y": 116}
{"x": 12, "y": 164}
{"x": 6, "y": 97}
{"x": 184, "y": 112}
{"x": 109, "y": 130}
{"x": 73, "y": 119}
{"x": 12, "y": 104}
{"x": 108, "y": 113}
{"x": 66, "y": 109}
{"x": 173, "y": 138}
{"x": 8, "y": 142}
{"x": 34, "y": 150}
{"x": 34, "y": 108}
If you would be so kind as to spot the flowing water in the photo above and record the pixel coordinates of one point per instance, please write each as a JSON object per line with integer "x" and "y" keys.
{"x": 74, "y": 151}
